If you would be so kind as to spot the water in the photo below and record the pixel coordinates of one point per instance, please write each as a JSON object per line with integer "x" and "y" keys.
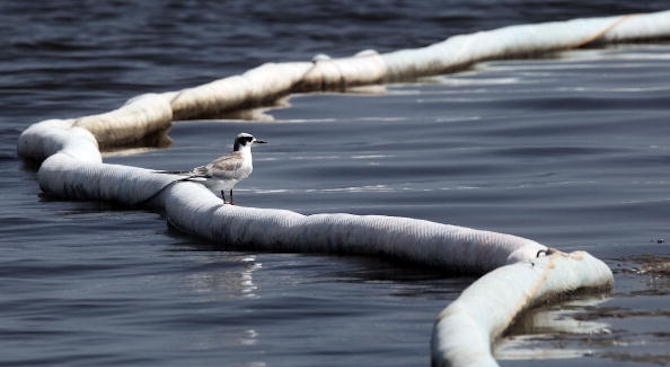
{"x": 570, "y": 150}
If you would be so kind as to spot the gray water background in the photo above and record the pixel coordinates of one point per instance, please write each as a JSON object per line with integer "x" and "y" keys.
{"x": 570, "y": 150}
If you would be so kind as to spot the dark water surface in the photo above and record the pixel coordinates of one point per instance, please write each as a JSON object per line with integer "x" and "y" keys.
{"x": 571, "y": 150}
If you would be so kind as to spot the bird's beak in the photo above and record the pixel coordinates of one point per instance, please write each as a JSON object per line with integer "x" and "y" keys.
{"x": 260, "y": 141}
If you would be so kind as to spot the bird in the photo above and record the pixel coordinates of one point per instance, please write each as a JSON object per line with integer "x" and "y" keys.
{"x": 223, "y": 173}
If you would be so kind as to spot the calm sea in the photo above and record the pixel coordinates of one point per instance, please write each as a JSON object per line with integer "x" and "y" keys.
{"x": 571, "y": 150}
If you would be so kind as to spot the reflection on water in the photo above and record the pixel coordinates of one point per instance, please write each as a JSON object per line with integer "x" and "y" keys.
{"x": 630, "y": 325}
{"x": 225, "y": 282}
{"x": 221, "y": 279}
{"x": 534, "y": 335}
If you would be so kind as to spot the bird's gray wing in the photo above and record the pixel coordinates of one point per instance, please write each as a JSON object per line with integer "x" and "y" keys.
{"x": 224, "y": 167}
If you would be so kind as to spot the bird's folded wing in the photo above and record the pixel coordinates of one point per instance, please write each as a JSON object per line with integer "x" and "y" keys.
{"x": 224, "y": 167}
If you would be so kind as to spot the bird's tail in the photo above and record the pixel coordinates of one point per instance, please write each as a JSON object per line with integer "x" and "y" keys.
{"x": 154, "y": 195}
{"x": 174, "y": 172}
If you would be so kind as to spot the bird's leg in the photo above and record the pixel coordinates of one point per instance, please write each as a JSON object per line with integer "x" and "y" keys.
{"x": 223, "y": 196}
{"x": 231, "y": 197}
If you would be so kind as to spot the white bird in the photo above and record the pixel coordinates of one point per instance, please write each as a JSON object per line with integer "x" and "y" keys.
{"x": 223, "y": 173}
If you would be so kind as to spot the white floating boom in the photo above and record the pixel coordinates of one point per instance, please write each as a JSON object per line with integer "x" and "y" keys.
{"x": 519, "y": 272}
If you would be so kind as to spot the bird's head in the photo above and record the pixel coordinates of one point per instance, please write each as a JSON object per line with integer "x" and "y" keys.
{"x": 246, "y": 140}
